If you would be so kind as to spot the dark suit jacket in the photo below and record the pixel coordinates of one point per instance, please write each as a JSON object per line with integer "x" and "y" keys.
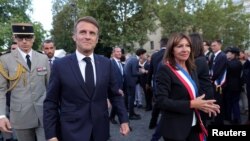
{"x": 219, "y": 66}
{"x": 119, "y": 76}
{"x": 246, "y": 73}
{"x": 234, "y": 69}
{"x": 173, "y": 99}
{"x": 80, "y": 113}
{"x": 156, "y": 58}
{"x": 205, "y": 84}
{"x": 143, "y": 78}
{"x": 131, "y": 70}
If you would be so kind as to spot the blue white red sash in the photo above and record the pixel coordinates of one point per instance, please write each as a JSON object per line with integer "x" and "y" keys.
{"x": 192, "y": 89}
{"x": 221, "y": 80}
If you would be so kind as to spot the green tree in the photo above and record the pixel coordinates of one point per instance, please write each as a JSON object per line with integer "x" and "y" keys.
{"x": 215, "y": 19}
{"x": 223, "y": 20}
{"x": 174, "y": 16}
{"x": 14, "y": 12}
{"x": 122, "y": 22}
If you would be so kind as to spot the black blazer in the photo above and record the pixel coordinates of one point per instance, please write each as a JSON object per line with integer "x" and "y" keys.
{"x": 156, "y": 58}
{"x": 173, "y": 99}
{"x": 219, "y": 66}
{"x": 233, "y": 78}
{"x": 81, "y": 115}
{"x": 205, "y": 84}
{"x": 118, "y": 75}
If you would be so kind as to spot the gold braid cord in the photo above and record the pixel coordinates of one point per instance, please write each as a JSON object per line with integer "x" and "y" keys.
{"x": 13, "y": 79}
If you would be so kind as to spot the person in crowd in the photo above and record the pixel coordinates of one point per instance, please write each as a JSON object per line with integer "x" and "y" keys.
{"x": 177, "y": 93}
{"x": 233, "y": 86}
{"x": 49, "y": 48}
{"x": 9, "y": 136}
{"x": 246, "y": 76}
{"x": 243, "y": 94}
{"x": 156, "y": 58}
{"x": 14, "y": 46}
{"x": 132, "y": 73}
{"x": 207, "y": 51}
{"x": 119, "y": 74}
{"x": 25, "y": 73}
{"x": 218, "y": 73}
{"x": 76, "y": 105}
{"x": 141, "y": 86}
{"x": 145, "y": 63}
{"x": 202, "y": 69}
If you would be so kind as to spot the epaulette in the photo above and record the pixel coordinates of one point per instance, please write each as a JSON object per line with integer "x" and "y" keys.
{"x": 7, "y": 52}
{"x": 40, "y": 51}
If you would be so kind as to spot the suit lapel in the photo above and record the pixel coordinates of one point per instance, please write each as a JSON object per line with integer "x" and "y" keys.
{"x": 116, "y": 66}
{"x": 34, "y": 61}
{"x": 76, "y": 71}
{"x": 20, "y": 59}
{"x": 98, "y": 70}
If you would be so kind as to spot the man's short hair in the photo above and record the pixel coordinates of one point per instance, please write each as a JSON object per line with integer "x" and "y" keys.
{"x": 140, "y": 51}
{"x": 88, "y": 19}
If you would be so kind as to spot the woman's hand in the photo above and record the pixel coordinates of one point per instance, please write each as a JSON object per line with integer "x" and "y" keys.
{"x": 207, "y": 106}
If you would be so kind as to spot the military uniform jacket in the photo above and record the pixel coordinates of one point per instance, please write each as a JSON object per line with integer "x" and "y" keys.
{"x": 26, "y": 104}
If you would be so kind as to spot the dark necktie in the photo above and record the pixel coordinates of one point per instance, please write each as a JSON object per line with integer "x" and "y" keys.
{"x": 28, "y": 61}
{"x": 89, "y": 75}
{"x": 50, "y": 63}
{"x": 120, "y": 67}
{"x": 212, "y": 64}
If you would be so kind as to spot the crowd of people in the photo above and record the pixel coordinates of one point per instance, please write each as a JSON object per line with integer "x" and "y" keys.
{"x": 189, "y": 83}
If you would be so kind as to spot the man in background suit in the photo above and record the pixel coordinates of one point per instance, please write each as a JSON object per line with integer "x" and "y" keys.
{"x": 156, "y": 59}
{"x": 24, "y": 72}
{"x": 119, "y": 73}
{"x": 154, "y": 63}
{"x": 49, "y": 48}
{"x": 132, "y": 73}
{"x": 76, "y": 105}
{"x": 218, "y": 76}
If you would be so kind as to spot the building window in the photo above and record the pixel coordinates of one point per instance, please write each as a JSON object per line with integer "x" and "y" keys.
{"x": 152, "y": 45}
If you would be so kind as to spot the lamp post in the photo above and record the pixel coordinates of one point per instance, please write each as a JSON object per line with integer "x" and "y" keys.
{"x": 74, "y": 14}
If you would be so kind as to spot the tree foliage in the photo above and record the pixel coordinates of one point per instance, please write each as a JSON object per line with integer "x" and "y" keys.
{"x": 215, "y": 19}
{"x": 122, "y": 22}
{"x": 15, "y": 11}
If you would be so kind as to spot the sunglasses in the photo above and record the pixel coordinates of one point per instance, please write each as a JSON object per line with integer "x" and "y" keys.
{"x": 26, "y": 37}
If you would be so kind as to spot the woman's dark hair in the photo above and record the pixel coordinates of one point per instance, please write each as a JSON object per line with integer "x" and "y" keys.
{"x": 197, "y": 44}
{"x": 173, "y": 41}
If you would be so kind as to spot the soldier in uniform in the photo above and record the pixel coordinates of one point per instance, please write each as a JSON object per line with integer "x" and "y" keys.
{"x": 25, "y": 73}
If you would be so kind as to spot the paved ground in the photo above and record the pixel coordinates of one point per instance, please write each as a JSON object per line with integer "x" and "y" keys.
{"x": 140, "y": 128}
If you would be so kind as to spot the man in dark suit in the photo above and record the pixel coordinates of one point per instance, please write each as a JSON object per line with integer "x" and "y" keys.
{"x": 246, "y": 78}
{"x": 132, "y": 73}
{"x": 156, "y": 58}
{"x": 119, "y": 73}
{"x": 49, "y": 49}
{"x": 154, "y": 63}
{"x": 76, "y": 106}
{"x": 218, "y": 75}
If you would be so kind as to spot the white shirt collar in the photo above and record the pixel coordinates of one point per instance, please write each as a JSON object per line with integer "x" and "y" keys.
{"x": 206, "y": 52}
{"x": 216, "y": 53}
{"x": 23, "y": 54}
{"x": 52, "y": 59}
{"x": 80, "y": 56}
{"x": 117, "y": 60}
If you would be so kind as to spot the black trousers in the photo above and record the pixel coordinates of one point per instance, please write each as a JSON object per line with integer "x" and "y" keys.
{"x": 193, "y": 135}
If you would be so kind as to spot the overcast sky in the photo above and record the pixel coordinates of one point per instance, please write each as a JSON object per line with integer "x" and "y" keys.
{"x": 42, "y": 13}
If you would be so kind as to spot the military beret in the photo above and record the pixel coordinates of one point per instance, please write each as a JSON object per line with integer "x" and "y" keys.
{"x": 22, "y": 28}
